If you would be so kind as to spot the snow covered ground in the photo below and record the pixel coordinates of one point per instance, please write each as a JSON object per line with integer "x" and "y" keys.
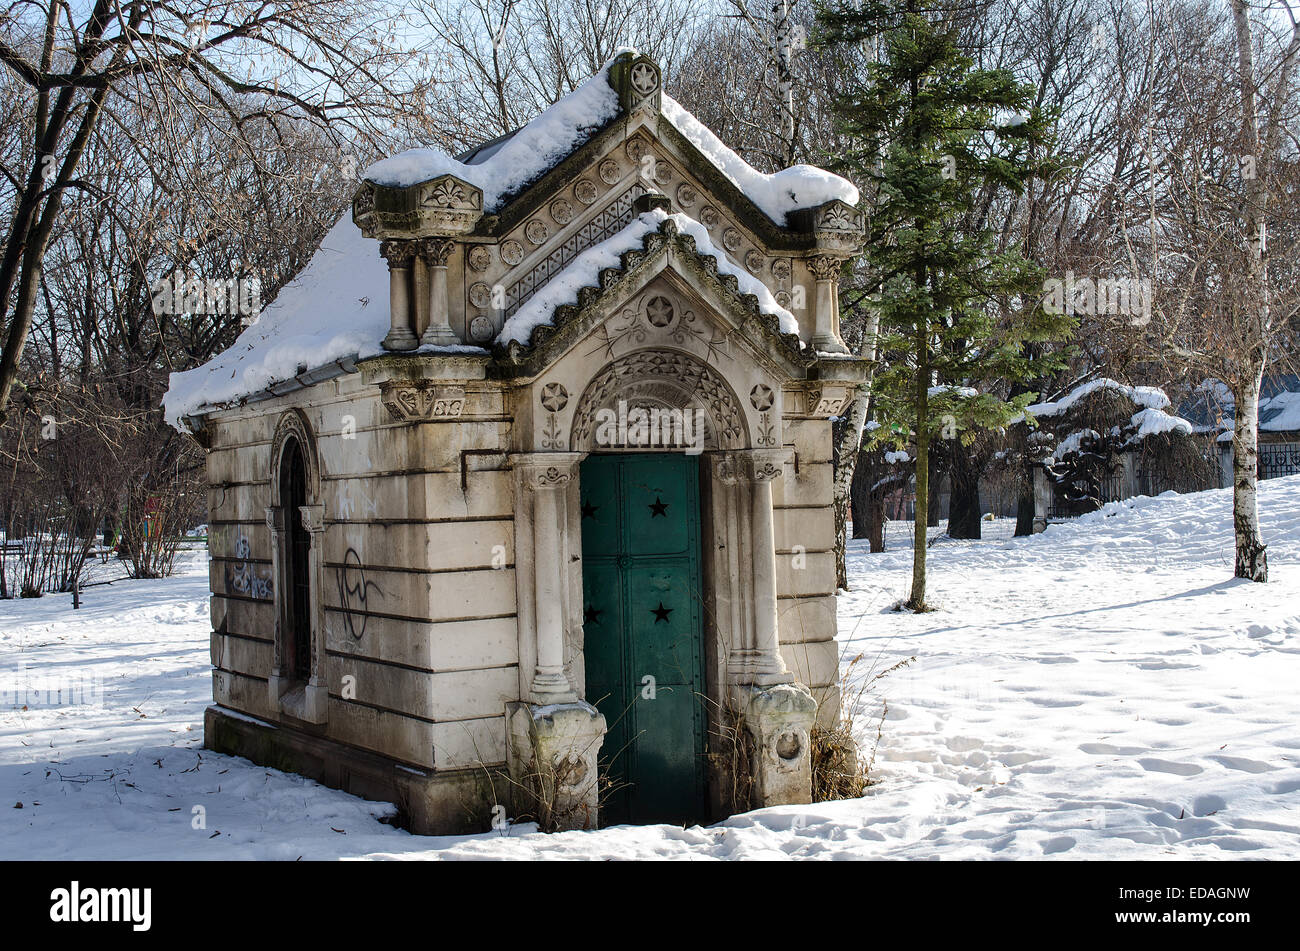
{"x": 1104, "y": 690}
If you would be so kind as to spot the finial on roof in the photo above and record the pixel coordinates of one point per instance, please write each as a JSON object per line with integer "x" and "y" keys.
{"x": 638, "y": 81}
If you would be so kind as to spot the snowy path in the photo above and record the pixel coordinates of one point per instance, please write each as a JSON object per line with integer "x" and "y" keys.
{"x": 1104, "y": 690}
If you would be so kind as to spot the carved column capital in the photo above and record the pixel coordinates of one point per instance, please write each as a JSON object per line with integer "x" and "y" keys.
{"x": 436, "y": 251}
{"x": 764, "y": 465}
{"x": 825, "y": 267}
{"x": 547, "y": 470}
{"x": 275, "y": 519}
{"x": 398, "y": 253}
{"x": 313, "y": 518}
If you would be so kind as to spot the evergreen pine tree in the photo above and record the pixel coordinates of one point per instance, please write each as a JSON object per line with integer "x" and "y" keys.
{"x": 928, "y": 131}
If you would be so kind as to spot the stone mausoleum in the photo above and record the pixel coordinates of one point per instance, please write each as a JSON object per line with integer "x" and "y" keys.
{"x": 520, "y": 494}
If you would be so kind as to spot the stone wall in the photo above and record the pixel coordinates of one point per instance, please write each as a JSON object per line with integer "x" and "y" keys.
{"x": 419, "y": 588}
{"x": 804, "y": 526}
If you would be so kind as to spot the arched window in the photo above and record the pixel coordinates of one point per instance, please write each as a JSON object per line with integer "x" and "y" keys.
{"x": 297, "y": 580}
{"x": 296, "y": 681}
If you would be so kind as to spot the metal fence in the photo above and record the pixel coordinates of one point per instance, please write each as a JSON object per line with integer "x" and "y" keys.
{"x": 1278, "y": 459}
{"x": 1084, "y": 498}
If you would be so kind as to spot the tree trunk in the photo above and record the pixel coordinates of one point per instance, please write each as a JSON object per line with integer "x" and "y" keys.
{"x": 964, "y": 498}
{"x": 864, "y": 475}
{"x": 1026, "y": 508}
{"x": 934, "y": 483}
{"x": 1251, "y": 561}
{"x": 917, "y": 599}
{"x": 846, "y": 457}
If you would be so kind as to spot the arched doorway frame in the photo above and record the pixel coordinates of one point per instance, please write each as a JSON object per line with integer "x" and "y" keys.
{"x": 301, "y": 695}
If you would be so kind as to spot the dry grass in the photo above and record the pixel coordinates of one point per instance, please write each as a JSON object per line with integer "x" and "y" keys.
{"x": 839, "y": 770}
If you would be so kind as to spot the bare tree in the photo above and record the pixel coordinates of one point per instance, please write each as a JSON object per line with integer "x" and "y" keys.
{"x": 327, "y": 62}
{"x": 1220, "y": 127}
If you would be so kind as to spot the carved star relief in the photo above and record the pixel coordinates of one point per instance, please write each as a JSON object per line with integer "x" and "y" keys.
{"x": 643, "y": 78}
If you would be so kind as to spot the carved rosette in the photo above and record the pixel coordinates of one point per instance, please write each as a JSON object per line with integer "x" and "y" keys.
{"x": 418, "y": 401}
{"x": 479, "y": 258}
{"x": 512, "y": 252}
{"x": 536, "y": 231}
{"x": 586, "y": 191}
{"x": 609, "y": 171}
{"x": 561, "y": 211}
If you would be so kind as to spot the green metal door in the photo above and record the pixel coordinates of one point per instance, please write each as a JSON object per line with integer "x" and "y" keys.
{"x": 642, "y": 624}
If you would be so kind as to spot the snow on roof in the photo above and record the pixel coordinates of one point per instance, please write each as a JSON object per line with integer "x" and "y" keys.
{"x": 584, "y": 270}
{"x": 800, "y": 186}
{"x": 503, "y": 167}
{"x": 1151, "y": 397}
{"x": 1277, "y": 414}
{"x": 316, "y": 319}
{"x": 522, "y": 157}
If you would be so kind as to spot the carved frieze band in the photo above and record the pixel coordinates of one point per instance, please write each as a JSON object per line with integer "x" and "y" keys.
{"x": 415, "y": 401}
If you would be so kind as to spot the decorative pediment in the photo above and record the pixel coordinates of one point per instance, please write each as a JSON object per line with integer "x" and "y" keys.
{"x": 441, "y": 207}
{"x": 600, "y": 308}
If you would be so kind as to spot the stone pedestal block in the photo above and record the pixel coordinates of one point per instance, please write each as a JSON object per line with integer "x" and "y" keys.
{"x": 551, "y": 753}
{"x": 779, "y": 719}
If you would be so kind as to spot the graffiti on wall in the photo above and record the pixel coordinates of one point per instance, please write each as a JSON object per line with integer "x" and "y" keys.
{"x": 246, "y": 578}
{"x": 354, "y": 593}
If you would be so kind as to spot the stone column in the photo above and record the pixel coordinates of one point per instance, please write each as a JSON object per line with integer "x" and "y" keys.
{"x": 744, "y": 479}
{"x": 275, "y": 684}
{"x": 316, "y": 693}
{"x": 399, "y": 255}
{"x": 435, "y": 252}
{"x": 826, "y": 304}
{"x": 777, "y": 712}
{"x": 761, "y": 467}
{"x": 553, "y": 738}
{"x": 547, "y": 476}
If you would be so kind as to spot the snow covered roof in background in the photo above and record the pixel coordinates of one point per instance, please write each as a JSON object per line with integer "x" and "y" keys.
{"x": 1151, "y": 397}
{"x": 504, "y": 166}
{"x": 1277, "y": 414}
{"x": 1212, "y": 408}
{"x": 586, "y": 267}
{"x": 316, "y": 319}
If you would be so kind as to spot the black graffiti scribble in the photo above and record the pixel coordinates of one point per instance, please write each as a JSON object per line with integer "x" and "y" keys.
{"x": 359, "y": 590}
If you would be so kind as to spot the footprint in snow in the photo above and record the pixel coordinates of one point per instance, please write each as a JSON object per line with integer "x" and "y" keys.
{"x": 1165, "y": 766}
